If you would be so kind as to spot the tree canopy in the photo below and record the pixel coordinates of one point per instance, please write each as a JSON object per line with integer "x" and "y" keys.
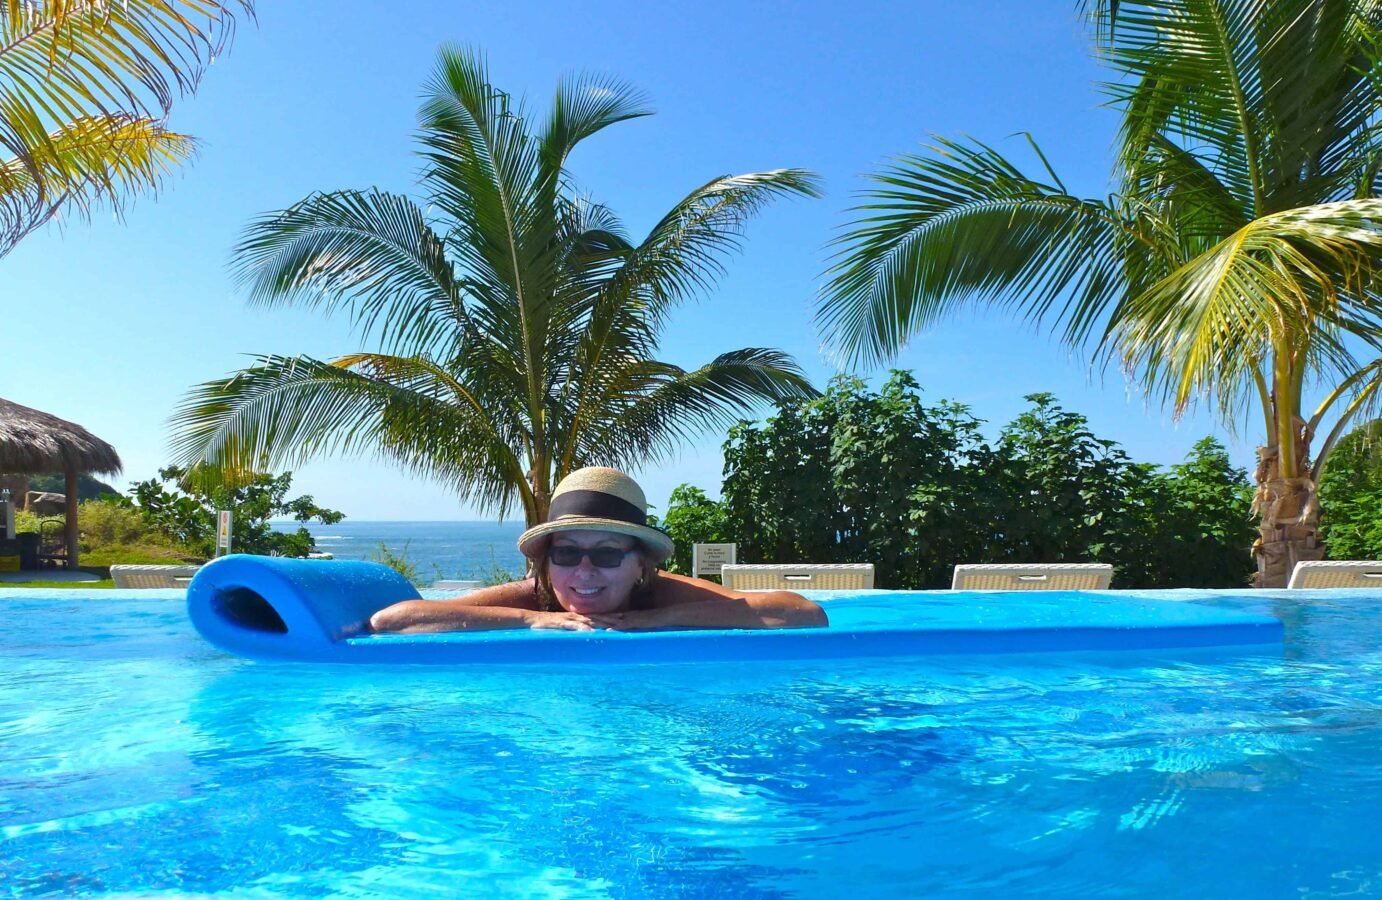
{"x": 881, "y": 477}
{"x": 517, "y": 322}
{"x": 85, "y": 89}
{"x": 1233, "y": 263}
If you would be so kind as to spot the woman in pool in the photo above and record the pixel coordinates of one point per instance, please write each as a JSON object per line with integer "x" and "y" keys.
{"x": 595, "y": 565}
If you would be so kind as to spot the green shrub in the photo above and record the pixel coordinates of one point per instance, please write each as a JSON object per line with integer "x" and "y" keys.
{"x": 113, "y": 532}
{"x": 182, "y": 507}
{"x": 1351, "y": 495}
{"x": 27, "y": 521}
{"x": 495, "y": 573}
{"x": 398, "y": 560}
{"x": 103, "y": 524}
{"x": 879, "y": 477}
{"x": 692, "y": 518}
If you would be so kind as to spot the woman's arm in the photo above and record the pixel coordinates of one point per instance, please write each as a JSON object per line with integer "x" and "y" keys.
{"x": 682, "y": 602}
{"x": 512, "y": 605}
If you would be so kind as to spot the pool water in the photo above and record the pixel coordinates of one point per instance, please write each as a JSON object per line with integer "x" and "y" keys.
{"x": 137, "y": 760}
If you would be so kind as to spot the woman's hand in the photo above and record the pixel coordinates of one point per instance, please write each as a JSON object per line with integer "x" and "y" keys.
{"x": 560, "y": 621}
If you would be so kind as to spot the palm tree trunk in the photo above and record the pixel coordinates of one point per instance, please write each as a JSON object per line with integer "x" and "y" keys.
{"x": 542, "y": 494}
{"x": 1289, "y": 529}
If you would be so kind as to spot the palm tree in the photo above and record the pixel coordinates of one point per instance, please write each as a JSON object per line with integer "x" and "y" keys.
{"x": 1233, "y": 263}
{"x": 84, "y": 90}
{"x": 517, "y": 327}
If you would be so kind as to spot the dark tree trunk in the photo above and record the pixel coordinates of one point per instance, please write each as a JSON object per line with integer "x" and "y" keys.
{"x": 1289, "y": 528}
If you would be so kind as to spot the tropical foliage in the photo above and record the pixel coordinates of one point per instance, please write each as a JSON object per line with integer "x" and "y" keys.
{"x": 114, "y": 532}
{"x": 183, "y": 509}
{"x": 85, "y": 87}
{"x": 173, "y": 518}
{"x": 1351, "y": 490}
{"x": 880, "y": 477}
{"x": 1234, "y": 262}
{"x": 692, "y": 518}
{"x": 517, "y": 321}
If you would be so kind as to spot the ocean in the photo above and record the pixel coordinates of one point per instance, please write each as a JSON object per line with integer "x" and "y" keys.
{"x": 437, "y": 550}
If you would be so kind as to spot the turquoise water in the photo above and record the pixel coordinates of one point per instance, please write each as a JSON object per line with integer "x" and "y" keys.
{"x": 137, "y": 760}
{"x": 465, "y": 550}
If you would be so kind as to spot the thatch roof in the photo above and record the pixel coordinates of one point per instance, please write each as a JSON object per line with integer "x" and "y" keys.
{"x": 34, "y": 442}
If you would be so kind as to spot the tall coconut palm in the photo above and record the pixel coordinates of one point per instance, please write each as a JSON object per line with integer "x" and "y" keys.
{"x": 517, "y": 321}
{"x": 85, "y": 87}
{"x": 1234, "y": 262}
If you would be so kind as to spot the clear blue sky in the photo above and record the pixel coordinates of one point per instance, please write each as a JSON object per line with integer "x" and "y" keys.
{"x": 321, "y": 98}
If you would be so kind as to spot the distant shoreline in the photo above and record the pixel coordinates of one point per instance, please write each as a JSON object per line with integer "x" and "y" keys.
{"x": 437, "y": 549}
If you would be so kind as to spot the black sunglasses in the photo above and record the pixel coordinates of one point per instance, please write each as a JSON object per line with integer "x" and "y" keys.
{"x": 569, "y": 556}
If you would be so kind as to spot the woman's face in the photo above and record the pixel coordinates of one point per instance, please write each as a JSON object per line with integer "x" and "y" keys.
{"x": 586, "y": 588}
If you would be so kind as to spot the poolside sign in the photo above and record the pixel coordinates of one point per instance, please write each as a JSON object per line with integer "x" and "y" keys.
{"x": 223, "y": 521}
{"x": 706, "y": 559}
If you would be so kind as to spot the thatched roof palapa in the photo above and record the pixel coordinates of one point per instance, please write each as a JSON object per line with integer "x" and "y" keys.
{"x": 36, "y": 443}
{"x": 33, "y": 443}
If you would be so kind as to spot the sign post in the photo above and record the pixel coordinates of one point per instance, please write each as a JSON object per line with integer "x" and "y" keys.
{"x": 706, "y": 559}
{"x": 223, "y": 527}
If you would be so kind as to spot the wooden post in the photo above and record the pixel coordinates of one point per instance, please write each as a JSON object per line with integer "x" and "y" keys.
{"x": 71, "y": 518}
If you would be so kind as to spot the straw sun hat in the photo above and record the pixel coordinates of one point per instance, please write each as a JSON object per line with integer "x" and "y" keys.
{"x": 598, "y": 499}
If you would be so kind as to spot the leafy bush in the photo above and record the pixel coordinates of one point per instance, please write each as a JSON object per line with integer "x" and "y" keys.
{"x": 185, "y": 512}
{"x": 860, "y": 476}
{"x": 495, "y": 573}
{"x": 398, "y": 560}
{"x": 113, "y": 532}
{"x": 1351, "y": 495}
{"x": 692, "y": 518}
{"x": 104, "y": 523}
{"x": 1206, "y": 536}
{"x": 28, "y": 521}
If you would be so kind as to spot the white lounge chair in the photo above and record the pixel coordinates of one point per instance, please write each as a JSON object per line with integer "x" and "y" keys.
{"x": 131, "y": 576}
{"x": 806, "y": 576}
{"x": 1032, "y": 577}
{"x": 1338, "y": 574}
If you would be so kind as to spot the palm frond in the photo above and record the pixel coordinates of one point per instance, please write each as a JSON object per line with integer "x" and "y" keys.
{"x": 284, "y": 411}
{"x": 1178, "y": 201}
{"x": 69, "y": 61}
{"x": 87, "y": 164}
{"x": 1189, "y": 69}
{"x": 964, "y": 224}
{"x": 74, "y": 70}
{"x": 1280, "y": 95}
{"x": 1283, "y": 283}
{"x": 482, "y": 168}
{"x": 438, "y": 416}
{"x": 653, "y": 407}
{"x": 684, "y": 252}
{"x": 1320, "y": 95}
{"x": 583, "y": 106}
{"x": 370, "y": 254}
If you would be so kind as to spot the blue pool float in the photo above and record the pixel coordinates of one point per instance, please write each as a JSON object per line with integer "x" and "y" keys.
{"x": 315, "y": 611}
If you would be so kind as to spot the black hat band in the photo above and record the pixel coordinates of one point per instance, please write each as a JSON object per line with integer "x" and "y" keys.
{"x": 595, "y": 505}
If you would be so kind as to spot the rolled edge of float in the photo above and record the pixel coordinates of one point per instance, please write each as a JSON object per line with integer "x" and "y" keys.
{"x": 289, "y": 609}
